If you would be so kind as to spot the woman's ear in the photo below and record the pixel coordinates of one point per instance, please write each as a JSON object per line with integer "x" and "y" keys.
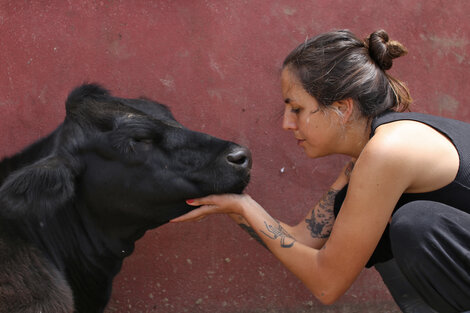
{"x": 346, "y": 109}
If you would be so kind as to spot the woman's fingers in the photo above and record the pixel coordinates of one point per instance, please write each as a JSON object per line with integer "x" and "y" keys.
{"x": 194, "y": 215}
{"x": 208, "y": 200}
{"x": 213, "y": 204}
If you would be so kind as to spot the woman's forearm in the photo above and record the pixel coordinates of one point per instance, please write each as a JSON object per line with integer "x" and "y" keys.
{"x": 301, "y": 260}
{"x": 312, "y": 231}
{"x": 241, "y": 221}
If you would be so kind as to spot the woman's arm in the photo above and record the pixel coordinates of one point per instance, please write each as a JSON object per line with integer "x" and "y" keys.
{"x": 315, "y": 228}
{"x": 380, "y": 176}
{"x": 397, "y": 159}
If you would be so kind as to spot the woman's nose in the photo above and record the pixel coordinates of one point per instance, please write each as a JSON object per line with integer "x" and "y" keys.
{"x": 288, "y": 122}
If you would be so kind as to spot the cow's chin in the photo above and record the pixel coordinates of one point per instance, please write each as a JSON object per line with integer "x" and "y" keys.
{"x": 235, "y": 185}
{"x": 191, "y": 189}
{"x": 178, "y": 208}
{"x": 170, "y": 211}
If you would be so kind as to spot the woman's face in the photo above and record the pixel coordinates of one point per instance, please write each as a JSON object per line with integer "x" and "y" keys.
{"x": 316, "y": 130}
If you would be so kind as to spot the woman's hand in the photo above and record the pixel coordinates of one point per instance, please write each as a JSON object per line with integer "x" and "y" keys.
{"x": 215, "y": 204}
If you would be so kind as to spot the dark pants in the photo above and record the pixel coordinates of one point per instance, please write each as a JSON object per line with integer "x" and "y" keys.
{"x": 431, "y": 246}
{"x": 401, "y": 290}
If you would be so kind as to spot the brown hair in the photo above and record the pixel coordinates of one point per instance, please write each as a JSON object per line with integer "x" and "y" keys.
{"x": 337, "y": 65}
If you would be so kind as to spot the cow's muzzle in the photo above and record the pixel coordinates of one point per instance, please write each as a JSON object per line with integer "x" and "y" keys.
{"x": 240, "y": 157}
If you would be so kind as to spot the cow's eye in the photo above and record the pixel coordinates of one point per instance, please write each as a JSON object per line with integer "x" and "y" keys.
{"x": 140, "y": 144}
{"x": 146, "y": 141}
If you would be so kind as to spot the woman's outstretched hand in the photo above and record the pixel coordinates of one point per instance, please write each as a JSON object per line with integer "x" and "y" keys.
{"x": 215, "y": 204}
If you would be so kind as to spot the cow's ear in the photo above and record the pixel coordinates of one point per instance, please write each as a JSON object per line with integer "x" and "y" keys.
{"x": 89, "y": 105}
{"x": 92, "y": 105}
{"x": 83, "y": 93}
{"x": 38, "y": 189}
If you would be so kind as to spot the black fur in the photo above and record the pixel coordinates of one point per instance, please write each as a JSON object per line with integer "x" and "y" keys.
{"x": 73, "y": 204}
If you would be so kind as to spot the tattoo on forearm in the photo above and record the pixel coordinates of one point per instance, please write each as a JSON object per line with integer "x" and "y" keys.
{"x": 322, "y": 218}
{"x": 253, "y": 234}
{"x": 277, "y": 231}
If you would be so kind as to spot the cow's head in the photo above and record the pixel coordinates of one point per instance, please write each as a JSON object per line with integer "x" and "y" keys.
{"x": 128, "y": 161}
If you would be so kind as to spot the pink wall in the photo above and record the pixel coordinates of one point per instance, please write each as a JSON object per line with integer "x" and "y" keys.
{"x": 216, "y": 63}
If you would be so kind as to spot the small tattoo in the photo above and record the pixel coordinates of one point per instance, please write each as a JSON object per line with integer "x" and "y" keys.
{"x": 321, "y": 221}
{"x": 278, "y": 231}
{"x": 349, "y": 169}
{"x": 253, "y": 234}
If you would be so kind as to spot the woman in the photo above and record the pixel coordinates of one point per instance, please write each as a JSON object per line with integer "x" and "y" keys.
{"x": 410, "y": 181}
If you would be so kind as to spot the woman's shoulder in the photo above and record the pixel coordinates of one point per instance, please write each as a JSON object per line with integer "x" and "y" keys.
{"x": 413, "y": 147}
{"x": 404, "y": 137}
{"x": 393, "y": 136}
{"x": 400, "y": 145}
{"x": 443, "y": 124}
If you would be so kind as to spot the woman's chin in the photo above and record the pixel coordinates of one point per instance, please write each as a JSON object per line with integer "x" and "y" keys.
{"x": 314, "y": 154}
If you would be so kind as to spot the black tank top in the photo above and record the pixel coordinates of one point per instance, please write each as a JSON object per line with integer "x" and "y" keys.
{"x": 455, "y": 194}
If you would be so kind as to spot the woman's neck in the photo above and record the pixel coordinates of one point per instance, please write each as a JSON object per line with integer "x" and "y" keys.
{"x": 357, "y": 135}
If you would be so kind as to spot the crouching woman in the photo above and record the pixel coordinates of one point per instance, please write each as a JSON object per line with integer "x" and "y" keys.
{"x": 407, "y": 198}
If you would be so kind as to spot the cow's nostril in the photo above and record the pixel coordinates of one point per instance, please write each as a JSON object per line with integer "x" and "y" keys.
{"x": 240, "y": 156}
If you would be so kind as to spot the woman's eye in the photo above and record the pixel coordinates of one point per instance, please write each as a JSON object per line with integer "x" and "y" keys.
{"x": 295, "y": 110}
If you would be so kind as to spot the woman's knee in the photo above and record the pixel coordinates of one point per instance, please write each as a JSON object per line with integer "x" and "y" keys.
{"x": 410, "y": 226}
{"x": 430, "y": 244}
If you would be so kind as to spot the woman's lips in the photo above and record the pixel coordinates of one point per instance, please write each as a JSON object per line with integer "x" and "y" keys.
{"x": 300, "y": 141}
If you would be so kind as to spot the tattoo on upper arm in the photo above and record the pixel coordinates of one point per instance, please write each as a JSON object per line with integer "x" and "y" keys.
{"x": 277, "y": 231}
{"x": 253, "y": 234}
{"x": 322, "y": 219}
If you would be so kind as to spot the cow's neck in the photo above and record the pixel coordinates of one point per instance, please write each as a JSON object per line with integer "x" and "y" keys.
{"x": 89, "y": 255}
{"x": 32, "y": 153}
{"x": 80, "y": 254}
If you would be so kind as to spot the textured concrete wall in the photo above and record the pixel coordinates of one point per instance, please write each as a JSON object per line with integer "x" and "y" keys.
{"x": 216, "y": 64}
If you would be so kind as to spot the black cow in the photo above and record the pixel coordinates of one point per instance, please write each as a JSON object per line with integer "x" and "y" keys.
{"x": 73, "y": 204}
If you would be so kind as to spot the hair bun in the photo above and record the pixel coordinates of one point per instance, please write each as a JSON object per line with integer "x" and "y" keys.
{"x": 383, "y": 51}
